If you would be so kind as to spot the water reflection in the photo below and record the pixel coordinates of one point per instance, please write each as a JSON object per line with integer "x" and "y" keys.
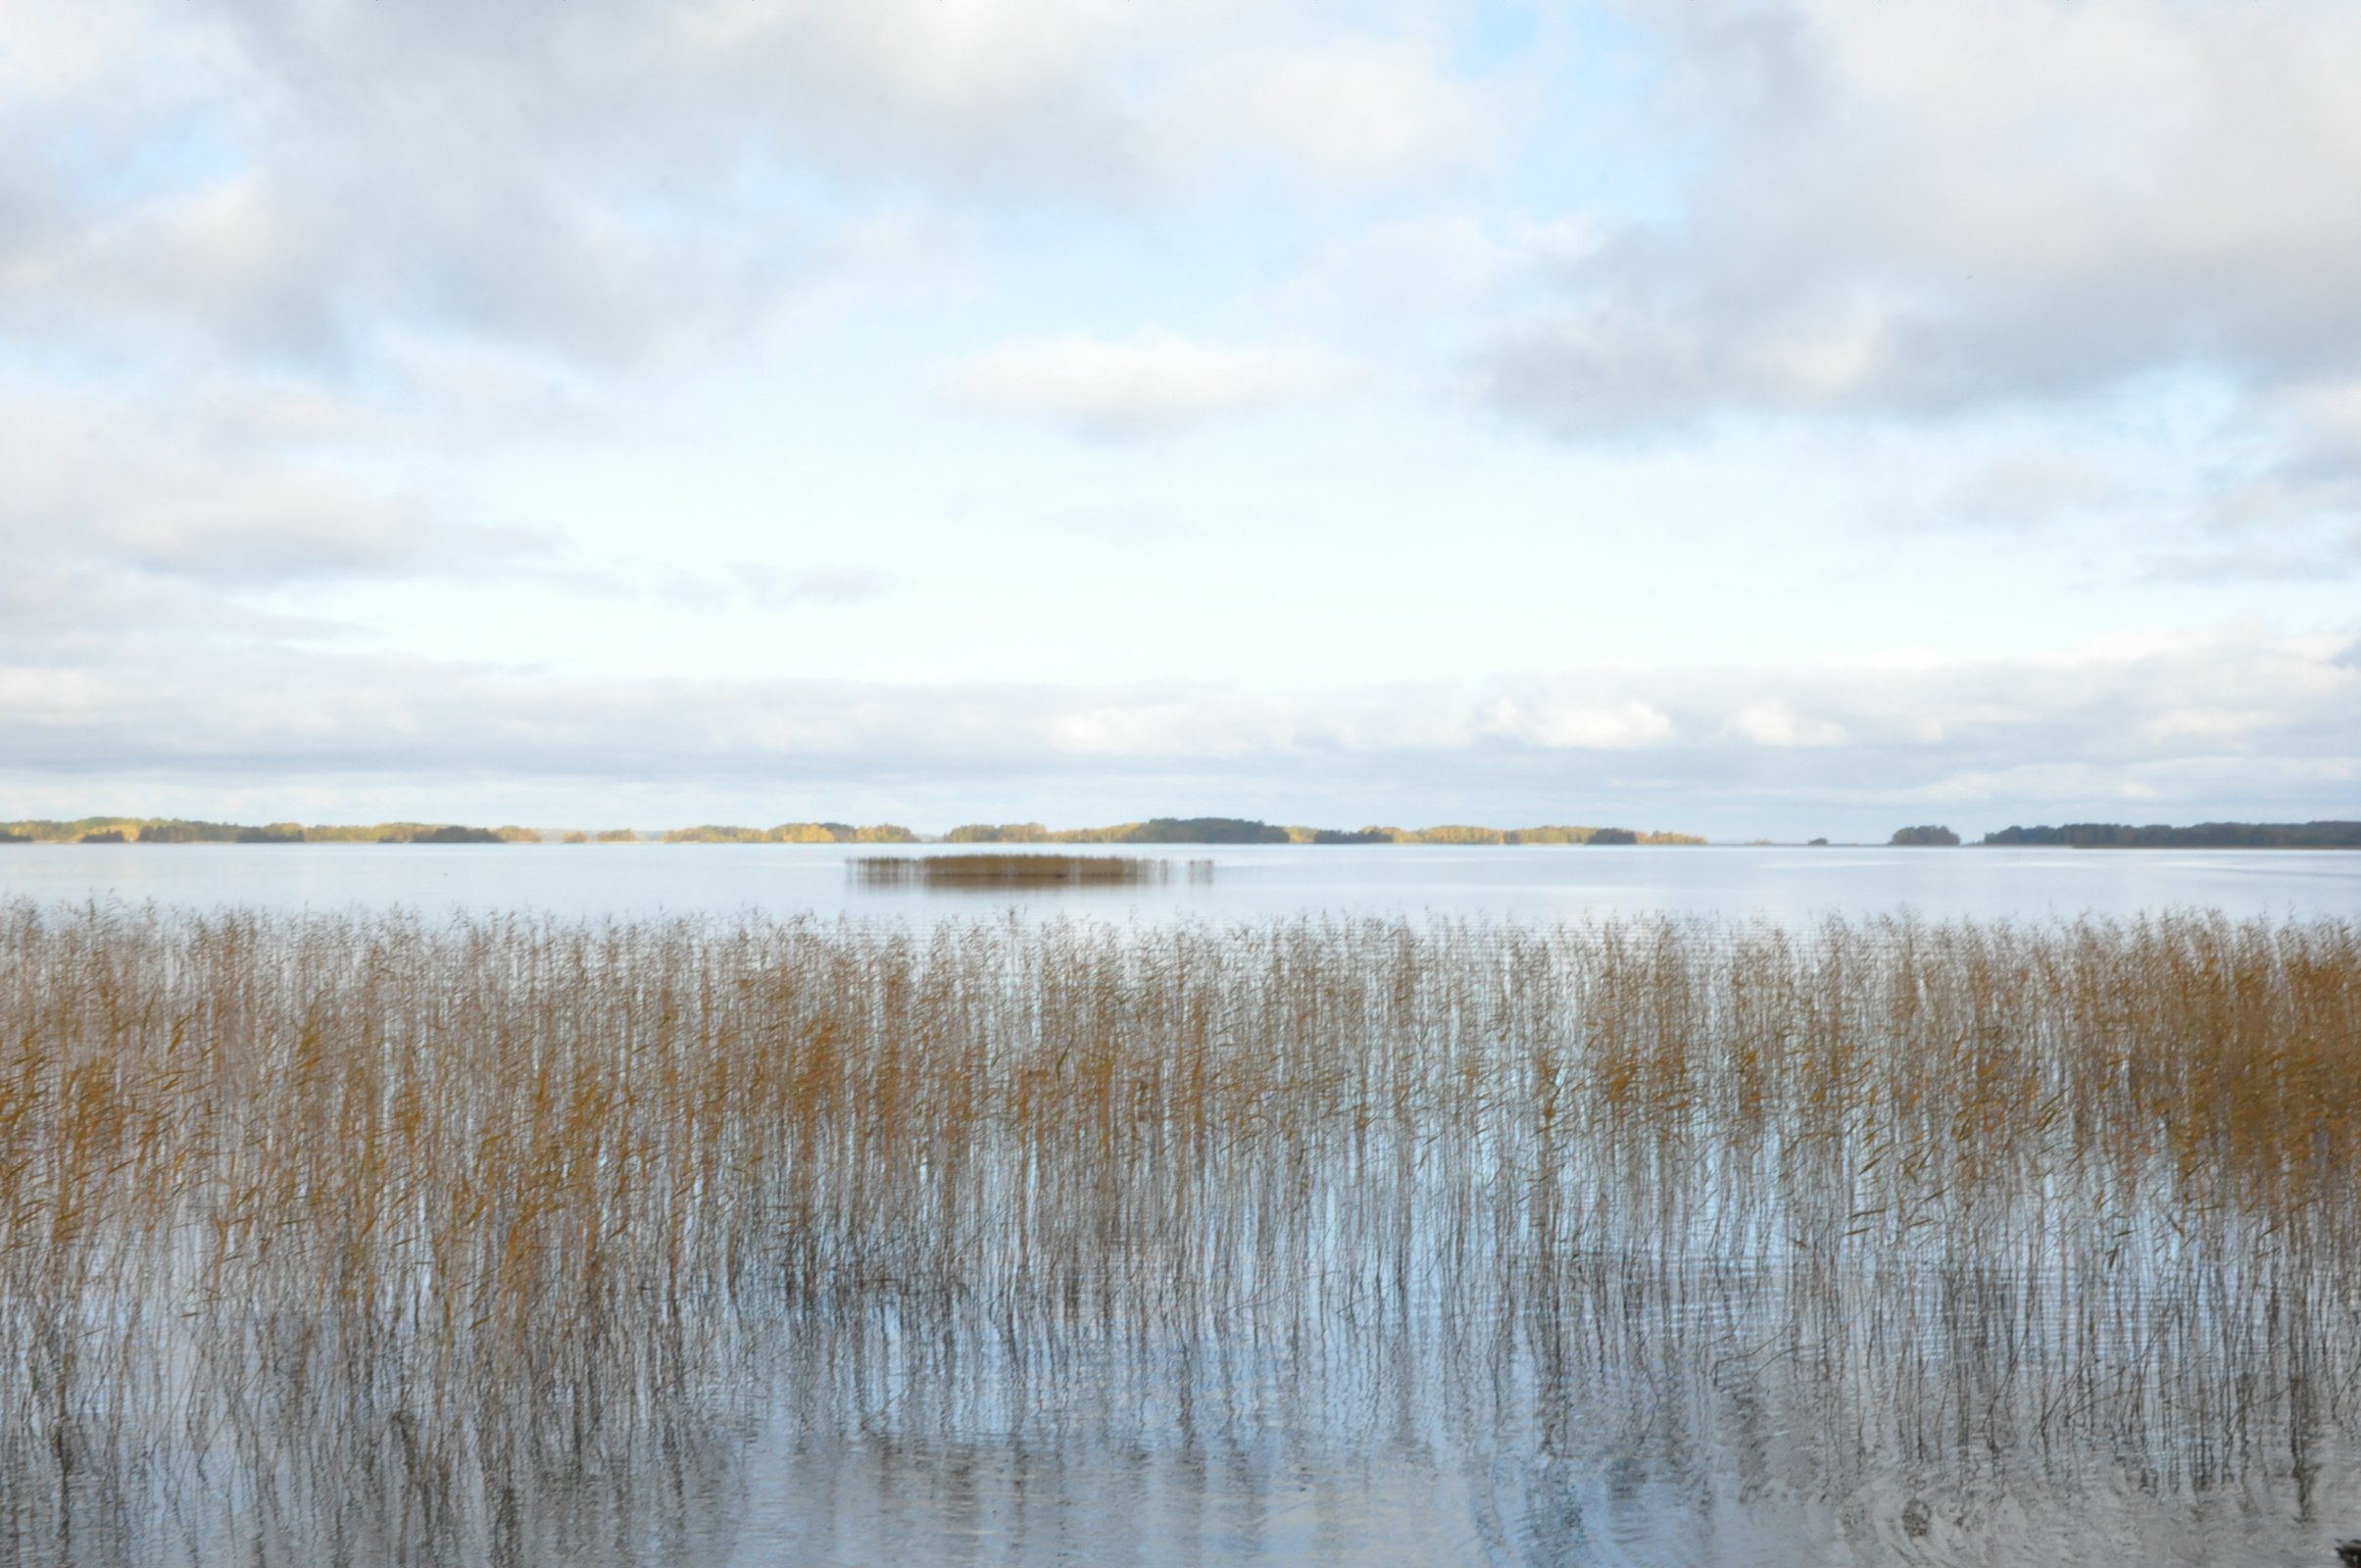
{"x": 381, "y": 1240}
{"x": 1621, "y": 1414}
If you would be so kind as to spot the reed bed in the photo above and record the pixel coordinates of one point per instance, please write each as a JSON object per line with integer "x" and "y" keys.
{"x": 371, "y": 1238}
{"x": 992, "y": 873}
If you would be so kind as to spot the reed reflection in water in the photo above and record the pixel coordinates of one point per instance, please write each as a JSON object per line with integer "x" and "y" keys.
{"x": 374, "y": 1239}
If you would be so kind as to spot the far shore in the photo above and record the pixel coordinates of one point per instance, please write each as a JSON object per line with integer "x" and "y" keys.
{"x": 1167, "y": 830}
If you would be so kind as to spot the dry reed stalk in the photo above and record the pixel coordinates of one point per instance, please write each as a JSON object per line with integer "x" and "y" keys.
{"x": 411, "y": 1228}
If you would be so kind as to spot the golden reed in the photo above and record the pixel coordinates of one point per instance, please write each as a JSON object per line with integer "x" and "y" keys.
{"x": 393, "y": 1231}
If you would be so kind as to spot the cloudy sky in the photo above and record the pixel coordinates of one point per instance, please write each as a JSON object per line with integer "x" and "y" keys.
{"x": 1774, "y": 416}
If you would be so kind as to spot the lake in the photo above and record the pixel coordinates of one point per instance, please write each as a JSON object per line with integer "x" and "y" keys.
{"x": 1520, "y": 1206}
{"x": 1534, "y": 884}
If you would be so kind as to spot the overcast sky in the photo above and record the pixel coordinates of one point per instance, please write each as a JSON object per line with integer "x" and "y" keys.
{"x": 1748, "y": 417}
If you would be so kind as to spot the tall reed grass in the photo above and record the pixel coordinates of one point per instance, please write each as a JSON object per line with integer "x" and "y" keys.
{"x": 380, "y": 1239}
{"x": 995, "y": 873}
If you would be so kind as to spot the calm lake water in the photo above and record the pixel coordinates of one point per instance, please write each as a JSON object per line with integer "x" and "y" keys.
{"x": 1528, "y": 884}
{"x": 1491, "y": 1331}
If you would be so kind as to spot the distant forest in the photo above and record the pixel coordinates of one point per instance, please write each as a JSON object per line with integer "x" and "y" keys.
{"x": 180, "y": 830}
{"x": 1156, "y": 830}
{"x": 793, "y": 833}
{"x": 2202, "y": 836}
{"x": 1240, "y": 830}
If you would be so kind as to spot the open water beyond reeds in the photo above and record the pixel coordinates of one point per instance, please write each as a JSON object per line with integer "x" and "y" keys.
{"x": 1216, "y": 883}
{"x": 1117, "y": 1233}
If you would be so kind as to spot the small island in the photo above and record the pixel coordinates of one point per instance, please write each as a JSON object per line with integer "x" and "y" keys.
{"x": 2201, "y": 836}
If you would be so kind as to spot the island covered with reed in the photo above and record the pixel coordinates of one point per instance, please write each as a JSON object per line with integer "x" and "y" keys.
{"x": 984, "y": 873}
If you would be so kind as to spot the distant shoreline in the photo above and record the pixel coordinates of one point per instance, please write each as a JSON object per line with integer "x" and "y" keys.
{"x": 2324, "y": 835}
{"x": 1156, "y": 830}
{"x": 2316, "y": 835}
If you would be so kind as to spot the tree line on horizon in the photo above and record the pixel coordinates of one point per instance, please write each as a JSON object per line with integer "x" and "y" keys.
{"x": 182, "y": 830}
{"x": 1243, "y": 830}
{"x": 2199, "y": 836}
{"x": 2327, "y": 835}
{"x": 793, "y": 833}
{"x": 1156, "y": 830}
{"x": 185, "y": 830}
{"x": 2153, "y": 836}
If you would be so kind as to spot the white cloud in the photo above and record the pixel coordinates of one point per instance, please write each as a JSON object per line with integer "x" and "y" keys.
{"x": 263, "y": 261}
{"x": 1135, "y": 526}
{"x": 1349, "y": 108}
{"x": 1088, "y": 90}
{"x": 1568, "y": 721}
{"x": 1920, "y": 207}
{"x": 610, "y": 181}
{"x": 257, "y": 255}
{"x": 2327, "y": 415}
{"x": 2227, "y": 721}
{"x": 1156, "y": 383}
{"x": 836, "y": 585}
{"x": 211, "y": 495}
{"x": 2018, "y": 488}
{"x": 2026, "y": 489}
{"x": 1450, "y": 262}
{"x": 1776, "y": 723}
{"x": 160, "y": 523}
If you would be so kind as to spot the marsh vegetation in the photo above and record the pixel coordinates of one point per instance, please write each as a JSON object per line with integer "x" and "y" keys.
{"x": 373, "y": 1239}
{"x": 988, "y": 873}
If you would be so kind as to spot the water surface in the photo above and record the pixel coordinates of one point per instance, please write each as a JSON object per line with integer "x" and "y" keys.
{"x": 1527, "y": 883}
{"x": 1179, "y": 1234}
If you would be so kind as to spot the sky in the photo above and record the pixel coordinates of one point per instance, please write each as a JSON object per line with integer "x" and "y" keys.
{"x": 1753, "y": 418}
